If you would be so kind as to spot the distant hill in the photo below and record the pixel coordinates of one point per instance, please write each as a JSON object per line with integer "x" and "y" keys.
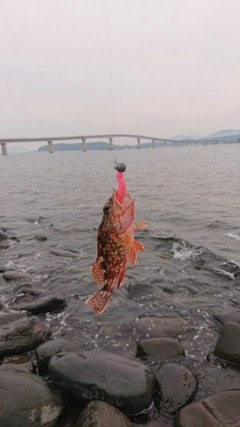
{"x": 222, "y": 134}
{"x": 61, "y": 146}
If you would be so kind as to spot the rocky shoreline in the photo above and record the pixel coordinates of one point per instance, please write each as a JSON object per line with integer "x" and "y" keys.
{"x": 108, "y": 389}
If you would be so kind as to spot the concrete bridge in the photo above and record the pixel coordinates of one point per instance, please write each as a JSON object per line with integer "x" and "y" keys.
{"x": 110, "y": 137}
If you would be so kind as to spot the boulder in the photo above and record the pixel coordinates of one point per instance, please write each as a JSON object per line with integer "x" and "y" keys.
{"x": 27, "y": 401}
{"x": 228, "y": 317}
{"x": 175, "y": 387}
{"x": 6, "y": 318}
{"x": 228, "y": 345}
{"x": 40, "y": 238}
{"x": 44, "y": 304}
{"x": 165, "y": 326}
{"x": 101, "y": 414}
{"x": 21, "y": 336}
{"x": 159, "y": 349}
{"x": 47, "y": 350}
{"x": 64, "y": 253}
{"x": 16, "y": 275}
{"x": 99, "y": 375}
{"x": 219, "y": 410}
{"x": 142, "y": 290}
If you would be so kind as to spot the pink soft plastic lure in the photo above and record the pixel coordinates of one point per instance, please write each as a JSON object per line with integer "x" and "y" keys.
{"x": 120, "y": 168}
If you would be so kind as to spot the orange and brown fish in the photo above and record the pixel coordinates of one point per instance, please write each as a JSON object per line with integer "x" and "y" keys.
{"x": 115, "y": 247}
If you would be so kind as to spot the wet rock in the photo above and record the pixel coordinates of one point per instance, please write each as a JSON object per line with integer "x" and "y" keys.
{"x": 21, "y": 336}
{"x": 219, "y": 410}
{"x": 40, "y": 238}
{"x": 4, "y": 246}
{"x": 45, "y": 304}
{"x": 18, "y": 362}
{"x": 49, "y": 349}
{"x": 165, "y": 326}
{"x": 16, "y": 275}
{"x": 228, "y": 345}
{"x": 26, "y": 400}
{"x": 63, "y": 253}
{"x": 228, "y": 317}
{"x": 6, "y": 318}
{"x": 101, "y": 414}
{"x": 159, "y": 349}
{"x": 3, "y": 236}
{"x": 175, "y": 387}
{"x": 99, "y": 375}
{"x": 141, "y": 290}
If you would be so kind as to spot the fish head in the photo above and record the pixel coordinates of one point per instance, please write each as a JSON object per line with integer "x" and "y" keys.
{"x": 117, "y": 217}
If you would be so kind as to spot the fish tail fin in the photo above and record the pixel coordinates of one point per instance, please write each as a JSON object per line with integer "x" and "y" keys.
{"x": 99, "y": 301}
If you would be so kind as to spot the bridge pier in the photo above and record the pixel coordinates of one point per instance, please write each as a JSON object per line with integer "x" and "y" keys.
{"x": 84, "y": 146}
{"x": 176, "y": 143}
{"x": 153, "y": 143}
{"x": 138, "y": 143}
{"x": 186, "y": 143}
{"x": 110, "y": 144}
{"x": 50, "y": 147}
{"x": 196, "y": 142}
{"x": 165, "y": 144}
{"x": 4, "y": 148}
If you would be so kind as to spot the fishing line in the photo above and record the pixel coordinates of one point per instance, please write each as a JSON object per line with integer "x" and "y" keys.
{"x": 110, "y": 68}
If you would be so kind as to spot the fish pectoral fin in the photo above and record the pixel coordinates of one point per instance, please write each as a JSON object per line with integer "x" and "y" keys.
{"x": 139, "y": 225}
{"x": 98, "y": 273}
{"x": 138, "y": 246}
{"x": 132, "y": 256}
{"x": 99, "y": 301}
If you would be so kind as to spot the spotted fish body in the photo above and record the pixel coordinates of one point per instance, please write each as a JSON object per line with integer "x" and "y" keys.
{"x": 115, "y": 247}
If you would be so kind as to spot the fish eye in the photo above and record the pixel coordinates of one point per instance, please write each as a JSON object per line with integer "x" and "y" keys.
{"x": 106, "y": 208}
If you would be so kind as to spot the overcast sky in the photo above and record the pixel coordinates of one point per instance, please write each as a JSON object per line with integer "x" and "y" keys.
{"x": 152, "y": 67}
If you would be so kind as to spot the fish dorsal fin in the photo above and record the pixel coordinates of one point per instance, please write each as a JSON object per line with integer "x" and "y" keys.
{"x": 139, "y": 225}
{"x": 98, "y": 273}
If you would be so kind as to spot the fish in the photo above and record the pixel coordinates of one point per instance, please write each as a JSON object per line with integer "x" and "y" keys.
{"x": 115, "y": 247}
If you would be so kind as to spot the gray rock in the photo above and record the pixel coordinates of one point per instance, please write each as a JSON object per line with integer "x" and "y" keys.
{"x": 101, "y": 414}
{"x": 49, "y": 349}
{"x": 141, "y": 290}
{"x": 21, "y": 336}
{"x": 45, "y": 304}
{"x": 99, "y": 375}
{"x": 219, "y": 410}
{"x": 6, "y": 318}
{"x": 27, "y": 401}
{"x": 228, "y": 317}
{"x": 16, "y": 275}
{"x": 176, "y": 386}
{"x": 3, "y": 236}
{"x": 165, "y": 326}
{"x": 4, "y": 246}
{"x": 228, "y": 345}
{"x": 63, "y": 253}
{"x": 159, "y": 349}
{"x": 40, "y": 238}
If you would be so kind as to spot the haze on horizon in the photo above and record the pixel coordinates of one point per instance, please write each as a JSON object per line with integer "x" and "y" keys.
{"x": 154, "y": 67}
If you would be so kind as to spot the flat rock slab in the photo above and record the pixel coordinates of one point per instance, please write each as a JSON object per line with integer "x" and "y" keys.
{"x": 228, "y": 345}
{"x": 27, "y": 401}
{"x": 16, "y": 275}
{"x": 49, "y": 349}
{"x": 6, "y": 318}
{"x": 101, "y": 414}
{"x": 219, "y": 410}
{"x": 176, "y": 387}
{"x": 63, "y": 253}
{"x": 159, "y": 349}
{"x": 142, "y": 290}
{"x": 44, "y": 304}
{"x": 21, "y": 336}
{"x": 99, "y": 375}
{"x": 228, "y": 317}
{"x": 166, "y": 326}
